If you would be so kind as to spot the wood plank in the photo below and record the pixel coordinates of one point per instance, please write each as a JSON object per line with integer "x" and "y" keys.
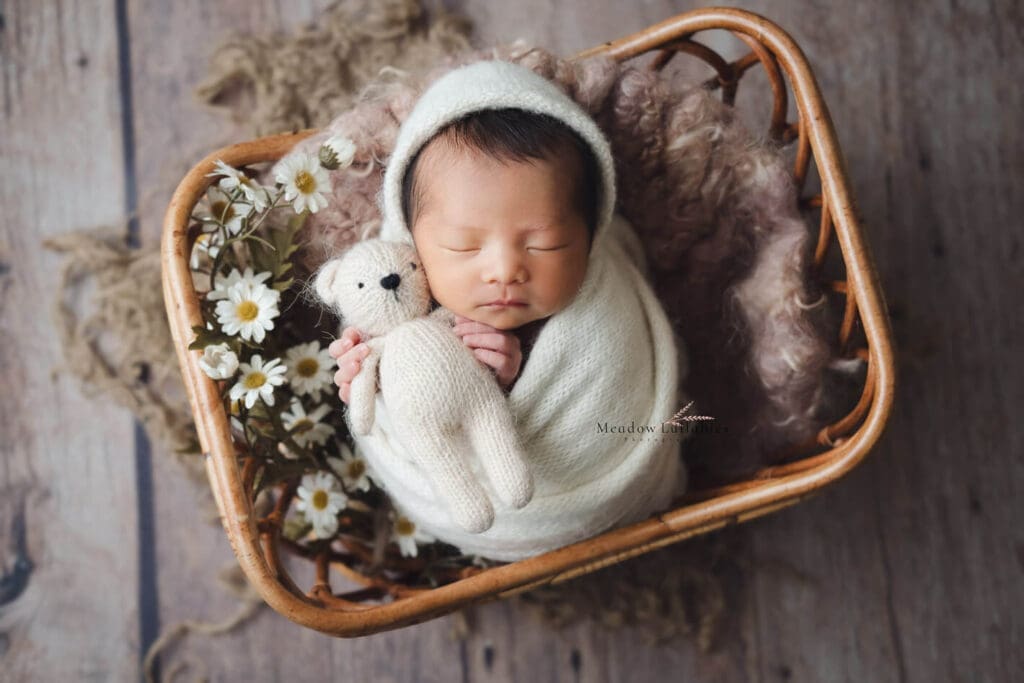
{"x": 66, "y": 461}
{"x": 507, "y": 643}
{"x": 875, "y": 578}
{"x": 846, "y": 586}
{"x": 910, "y": 562}
{"x": 173, "y": 133}
{"x": 819, "y": 585}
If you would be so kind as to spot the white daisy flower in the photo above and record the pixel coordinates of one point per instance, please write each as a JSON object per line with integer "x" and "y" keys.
{"x": 253, "y": 192}
{"x": 307, "y": 428}
{"x": 309, "y": 368}
{"x": 219, "y": 361}
{"x": 208, "y": 243}
{"x": 249, "y": 310}
{"x": 353, "y": 469}
{"x": 258, "y": 381}
{"x": 407, "y": 534}
{"x": 304, "y": 181}
{"x": 337, "y": 152}
{"x": 223, "y": 209}
{"x": 221, "y": 283}
{"x": 320, "y": 501}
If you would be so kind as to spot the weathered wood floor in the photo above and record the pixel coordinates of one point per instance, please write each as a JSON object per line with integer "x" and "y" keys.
{"x": 911, "y": 569}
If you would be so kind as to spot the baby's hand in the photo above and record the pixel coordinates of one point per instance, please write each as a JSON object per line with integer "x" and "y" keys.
{"x": 349, "y": 353}
{"x": 498, "y": 349}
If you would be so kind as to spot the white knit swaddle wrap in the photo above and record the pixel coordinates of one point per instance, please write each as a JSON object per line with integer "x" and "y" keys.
{"x": 608, "y": 358}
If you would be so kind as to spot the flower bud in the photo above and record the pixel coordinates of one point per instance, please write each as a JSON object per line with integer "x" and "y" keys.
{"x": 336, "y": 152}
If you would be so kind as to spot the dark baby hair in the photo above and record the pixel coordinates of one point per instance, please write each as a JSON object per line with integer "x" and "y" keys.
{"x": 515, "y": 135}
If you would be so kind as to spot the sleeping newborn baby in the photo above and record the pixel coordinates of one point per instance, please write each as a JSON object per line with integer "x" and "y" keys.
{"x": 502, "y": 205}
{"x": 506, "y": 188}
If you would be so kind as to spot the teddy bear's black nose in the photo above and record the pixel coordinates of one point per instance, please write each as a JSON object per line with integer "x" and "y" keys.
{"x": 390, "y": 281}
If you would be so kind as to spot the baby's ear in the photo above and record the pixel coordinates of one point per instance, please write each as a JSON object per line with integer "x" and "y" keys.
{"x": 323, "y": 283}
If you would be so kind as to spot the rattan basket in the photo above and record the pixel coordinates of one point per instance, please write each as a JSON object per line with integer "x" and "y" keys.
{"x": 864, "y": 332}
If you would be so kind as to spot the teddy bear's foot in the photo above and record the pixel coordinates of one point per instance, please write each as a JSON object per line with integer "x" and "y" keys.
{"x": 474, "y": 518}
{"x": 446, "y": 466}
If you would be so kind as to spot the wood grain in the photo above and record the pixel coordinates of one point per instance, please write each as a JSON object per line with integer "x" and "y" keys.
{"x": 190, "y": 543}
{"x": 66, "y": 463}
{"x": 910, "y": 569}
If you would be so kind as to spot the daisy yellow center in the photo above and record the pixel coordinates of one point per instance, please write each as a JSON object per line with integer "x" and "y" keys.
{"x": 320, "y": 499}
{"x": 302, "y": 425}
{"x": 247, "y": 311}
{"x": 305, "y": 182}
{"x": 404, "y": 526}
{"x": 356, "y": 469}
{"x": 255, "y": 380}
{"x": 307, "y": 367}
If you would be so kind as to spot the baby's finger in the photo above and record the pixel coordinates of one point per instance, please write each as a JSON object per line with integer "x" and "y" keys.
{"x": 347, "y": 371}
{"x": 503, "y": 343}
{"x": 338, "y": 347}
{"x": 350, "y": 363}
{"x": 349, "y": 338}
{"x": 496, "y": 360}
{"x": 472, "y": 327}
{"x": 359, "y": 352}
{"x": 351, "y": 335}
{"x": 345, "y": 391}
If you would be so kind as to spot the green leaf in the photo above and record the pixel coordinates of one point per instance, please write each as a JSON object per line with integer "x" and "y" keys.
{"x": 205, "y": 337}
{"x": 262, "y": 258}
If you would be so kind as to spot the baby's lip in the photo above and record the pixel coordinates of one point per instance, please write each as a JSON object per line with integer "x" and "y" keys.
{"x": 506, "y": 302}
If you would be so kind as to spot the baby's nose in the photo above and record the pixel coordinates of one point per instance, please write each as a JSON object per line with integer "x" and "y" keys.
{"x": 390, "y": 281}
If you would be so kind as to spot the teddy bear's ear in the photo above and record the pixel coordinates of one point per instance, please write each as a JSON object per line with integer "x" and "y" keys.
{"x": 323, "y": 283}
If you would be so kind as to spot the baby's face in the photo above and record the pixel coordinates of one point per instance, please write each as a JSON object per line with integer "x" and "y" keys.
{"x": 490, "y": 231}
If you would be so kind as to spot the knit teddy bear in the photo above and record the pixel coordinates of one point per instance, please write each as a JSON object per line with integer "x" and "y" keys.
{"x": 447, "y": 404}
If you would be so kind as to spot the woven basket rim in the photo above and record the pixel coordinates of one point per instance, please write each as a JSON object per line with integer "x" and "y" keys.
{"x": 777, "y": 489}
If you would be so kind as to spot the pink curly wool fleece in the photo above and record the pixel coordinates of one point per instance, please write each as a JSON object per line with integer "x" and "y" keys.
{"x": 716, "y": 210}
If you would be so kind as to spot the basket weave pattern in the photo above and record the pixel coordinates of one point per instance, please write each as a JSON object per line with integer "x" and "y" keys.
{"x": 864, "y": 333}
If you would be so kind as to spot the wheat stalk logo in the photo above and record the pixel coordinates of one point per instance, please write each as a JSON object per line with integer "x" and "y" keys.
{"x": 681, "y": 417}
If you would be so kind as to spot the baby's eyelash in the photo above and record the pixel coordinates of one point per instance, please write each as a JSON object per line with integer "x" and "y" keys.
{"x": 469, "y": 251}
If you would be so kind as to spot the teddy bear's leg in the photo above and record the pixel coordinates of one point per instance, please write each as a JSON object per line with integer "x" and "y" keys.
{"x": 442, "y": 458}
{"x": 495, "y": 441}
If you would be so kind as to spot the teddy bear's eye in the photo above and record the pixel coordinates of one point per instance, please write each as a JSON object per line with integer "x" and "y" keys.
{"x": 360, "y": 285}
{"x": 413, "y": 266}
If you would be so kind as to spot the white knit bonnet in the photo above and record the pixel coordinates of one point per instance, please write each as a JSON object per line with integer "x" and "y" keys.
{"x": 490, "y": 84}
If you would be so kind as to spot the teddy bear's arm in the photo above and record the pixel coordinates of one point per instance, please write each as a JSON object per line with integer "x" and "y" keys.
{"x": 363, "y": 393}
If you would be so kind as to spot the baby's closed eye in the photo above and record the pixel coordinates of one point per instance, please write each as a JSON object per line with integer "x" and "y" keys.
{"x": 530, "y": 247}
